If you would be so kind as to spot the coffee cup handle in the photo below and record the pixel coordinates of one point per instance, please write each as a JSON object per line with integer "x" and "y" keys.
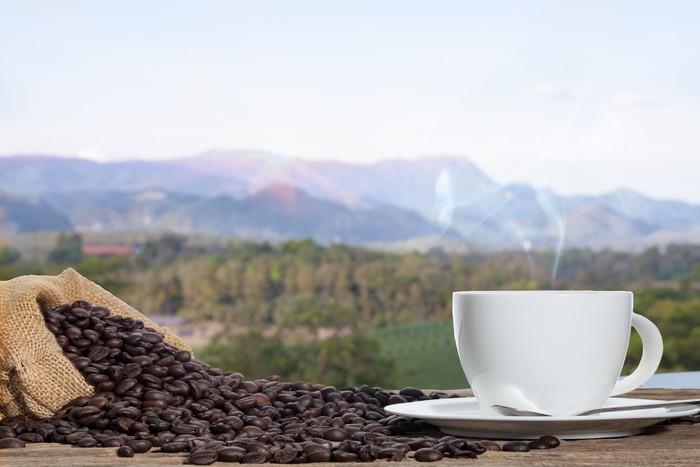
{"x": 652, "y": 350}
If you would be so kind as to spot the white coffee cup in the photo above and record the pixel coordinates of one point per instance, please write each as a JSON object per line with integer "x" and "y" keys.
{"x": 555, "y": 352}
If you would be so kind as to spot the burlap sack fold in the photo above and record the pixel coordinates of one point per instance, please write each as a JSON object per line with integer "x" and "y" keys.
{"x": 36, "y": 379}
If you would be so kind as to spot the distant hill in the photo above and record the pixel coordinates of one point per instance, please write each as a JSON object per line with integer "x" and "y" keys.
{"x": 25, "y": 215}
{"x": 422, "y": 203}
{"x": 276, "y": 213}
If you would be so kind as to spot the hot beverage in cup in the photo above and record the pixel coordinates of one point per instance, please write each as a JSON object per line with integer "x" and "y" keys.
{"x": 555, "y": 352}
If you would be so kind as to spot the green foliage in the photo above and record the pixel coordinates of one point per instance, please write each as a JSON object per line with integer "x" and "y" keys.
{"x": 424, "y": 353}
{"x": 9, "y": 255}
{"x": 343, "y": 315}
{"x": 339, "y": 361}
{"x": 68, "y": 250}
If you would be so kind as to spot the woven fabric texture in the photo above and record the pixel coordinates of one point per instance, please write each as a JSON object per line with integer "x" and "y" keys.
{"x": 36, "y": 379}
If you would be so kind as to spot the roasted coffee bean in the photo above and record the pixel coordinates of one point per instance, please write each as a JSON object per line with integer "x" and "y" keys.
{"x": 464, "y": 455}
{"x": 139, "y": 445}
{"x": 490, "y": 445}
{"x": 31, "y": 438}
{"x": 343, "y": 456}
{"x": 131, "y": 370}
{"x": 549, "y": 441}
{"x": 427, "y": 455}
{"x": 151, "y": 337}
{"x": 98, "y": 353}
{"x": 391, "y": 453}
{"x": 203, "y": 457}
{"x": 335, "y": 434}
{"x": 125, "y": 386}
{"x": 81, "y": 363}
{"x": 476, "y": 448}
{"x": 125, "y": 451}
{"x": 113, "y": 442}
{"x": 79, "y": 412}
{"x": 97, "y": 378}
{"x": 515, "y": 446}
{"x": 87, "y": 442}
{"x": 11, "y": 443}
{"x": 415, "y": 393}
{"x": 183, "y": 356}
{"x": 231, "y": 454}
{"x": 80, "y": 312}
{"x": 321, "y": 455}
{"x": 537, "y": 444}
{"x": 76, "y": 436}
{"x": 150, "y": 394}
{"x": 178, "y": 446}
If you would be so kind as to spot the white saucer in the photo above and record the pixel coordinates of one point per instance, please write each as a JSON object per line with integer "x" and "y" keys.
{"x": 463, "y": 417}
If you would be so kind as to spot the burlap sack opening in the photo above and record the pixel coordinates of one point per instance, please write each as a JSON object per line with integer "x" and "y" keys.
{"x": 36, "y": 379}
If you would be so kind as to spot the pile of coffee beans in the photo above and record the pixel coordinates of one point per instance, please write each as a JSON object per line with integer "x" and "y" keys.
{"x": 151, "y": 395}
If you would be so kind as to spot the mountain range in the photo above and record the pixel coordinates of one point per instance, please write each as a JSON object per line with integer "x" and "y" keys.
{"x": 428, "y": 202}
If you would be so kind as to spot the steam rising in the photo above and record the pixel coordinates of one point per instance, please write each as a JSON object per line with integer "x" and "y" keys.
{"x": 479, "y": 212}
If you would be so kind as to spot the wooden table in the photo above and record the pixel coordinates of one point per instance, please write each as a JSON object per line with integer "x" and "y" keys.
{"x": 662, "y": 445}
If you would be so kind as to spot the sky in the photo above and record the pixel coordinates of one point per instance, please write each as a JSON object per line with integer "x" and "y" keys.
{"x": 577, "y": 96}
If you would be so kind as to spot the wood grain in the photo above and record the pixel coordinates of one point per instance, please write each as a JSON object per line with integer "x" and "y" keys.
{"x": 661, "y": 445}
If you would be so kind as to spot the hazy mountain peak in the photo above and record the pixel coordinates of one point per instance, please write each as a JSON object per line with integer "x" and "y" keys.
{"x": 257, "y": 194}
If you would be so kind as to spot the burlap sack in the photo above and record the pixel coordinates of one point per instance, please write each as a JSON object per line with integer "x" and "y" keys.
{"x": 36, "y": 379}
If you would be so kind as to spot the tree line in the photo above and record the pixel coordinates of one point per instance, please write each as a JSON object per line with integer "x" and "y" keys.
{"x": 272, "y": 299}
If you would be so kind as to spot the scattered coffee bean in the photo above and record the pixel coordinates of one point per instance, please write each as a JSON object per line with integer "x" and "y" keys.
{"x": 537, "y": 444}
{"x": 490, "y": 445}
{"x": 11, "y": 443}
{"x": 427, "y": 455}
{"x": 515, "y": 446}
{"x": 550, "y": 441}
{"x": 125, "y": 451}
{"x": 203, "y": 457}
{"x": 150, "y": 394}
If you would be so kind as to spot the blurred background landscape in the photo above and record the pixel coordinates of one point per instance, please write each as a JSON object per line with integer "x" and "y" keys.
{"x": 264, "y": 283}
{"x": 296, "y": 188}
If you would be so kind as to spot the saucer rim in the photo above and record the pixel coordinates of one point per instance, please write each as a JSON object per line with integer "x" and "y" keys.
{"x": 478, "y": 415}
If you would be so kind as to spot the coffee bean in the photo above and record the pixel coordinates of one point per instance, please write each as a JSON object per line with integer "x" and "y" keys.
{"x": 203, "y": 457}
{"x": 139, "y": 445}
{"x": 31, "y": 438}
{"x": 464, "y": 455}
{"x": 549, "y": 441}
{"x": 98, "y": 353}
{"x": 335, "y": 434}
{"x": 151, "y": 337}
{"x": 537, "y": 444}
{"x": 113, "y": 442}
{"x": 183, "y": 356}
{"x": 476, "y": 448}
{"x": 427, "y": 455}
{"x": 414, "y": 393}
{"x": 343, "y": 456}
{"x": 87, "y": 442}
{"x": 125, "y": 451}
{"x": 236, "y": 454}
{"x": 173, "y": 447}
{"x": 150, "y": 394}
{"x": 515, "y": 446}
{"x": 131, "y": 370}
{"x": 79, "y": 412}
{"x": 11, "y": 443}
{"x": 490, "y": 445}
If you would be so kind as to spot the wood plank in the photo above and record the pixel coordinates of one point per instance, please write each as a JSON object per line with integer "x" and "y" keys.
{"x": 662, "y": 445}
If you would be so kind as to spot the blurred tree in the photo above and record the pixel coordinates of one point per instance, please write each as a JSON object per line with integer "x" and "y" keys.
{"x": 68, "y": 249}
{"x": 164, "y": 249}
{"x": 9, "y": 255}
